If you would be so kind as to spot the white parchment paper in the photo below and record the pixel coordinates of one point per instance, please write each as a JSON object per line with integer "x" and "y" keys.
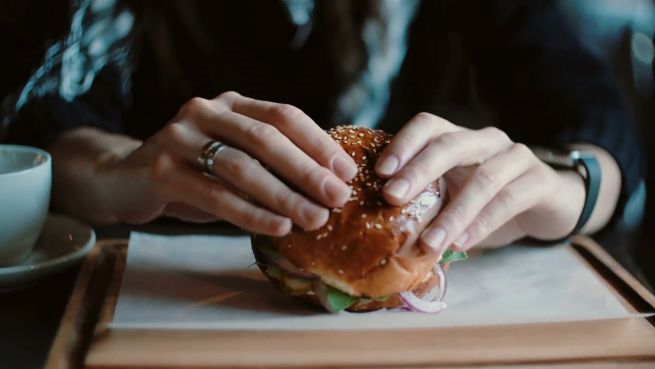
{"x": 210, "y": 282}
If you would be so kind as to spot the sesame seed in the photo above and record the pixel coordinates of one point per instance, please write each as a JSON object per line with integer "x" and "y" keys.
{"x": 344, "y": 247}
{"x": 378, "y": 226}
{"x": 363, "y": 215}
{"x": 383, "y": 261}
{"x": 340, "y": 271}
{"x": 289, "y": 246}
{"x": 329, "y": 227}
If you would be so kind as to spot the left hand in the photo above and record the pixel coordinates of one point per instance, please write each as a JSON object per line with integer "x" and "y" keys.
{"x": 499, "y": 190}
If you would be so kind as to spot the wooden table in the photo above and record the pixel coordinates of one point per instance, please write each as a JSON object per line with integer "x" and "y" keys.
{"x": 85, "y": 338}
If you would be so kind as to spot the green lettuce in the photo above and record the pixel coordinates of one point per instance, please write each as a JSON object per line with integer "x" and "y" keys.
{"x": 338, "y": 300}
{"x": 449, "y": 256}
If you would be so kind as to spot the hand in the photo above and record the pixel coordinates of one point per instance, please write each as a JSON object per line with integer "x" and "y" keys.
{"x": 302, "y": 169}
{"x": 498, "y": 189}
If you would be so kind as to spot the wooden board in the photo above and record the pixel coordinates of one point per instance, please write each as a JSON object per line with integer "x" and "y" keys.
{"x": 84, "y": 340}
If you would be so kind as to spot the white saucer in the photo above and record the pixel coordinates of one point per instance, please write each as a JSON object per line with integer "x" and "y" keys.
{"x": 63, "y": 242}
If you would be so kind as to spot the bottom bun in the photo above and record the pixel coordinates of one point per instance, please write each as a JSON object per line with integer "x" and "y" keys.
{"x": 310, "y": 287}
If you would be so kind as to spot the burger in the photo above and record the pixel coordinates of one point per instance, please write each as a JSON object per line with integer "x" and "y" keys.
{"x": 366, "y": 256}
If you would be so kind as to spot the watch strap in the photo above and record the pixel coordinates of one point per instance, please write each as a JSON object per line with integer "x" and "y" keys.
{"x": 592, "y": 186}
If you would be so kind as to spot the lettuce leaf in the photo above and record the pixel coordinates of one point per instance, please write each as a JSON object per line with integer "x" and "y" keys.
{"x": 449, "y": 256}
{"x": 273, "y": 272}
{"x": 338, "y": 300}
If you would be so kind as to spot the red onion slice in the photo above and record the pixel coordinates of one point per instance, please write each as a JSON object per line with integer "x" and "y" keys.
{"x": 432, "y": 302}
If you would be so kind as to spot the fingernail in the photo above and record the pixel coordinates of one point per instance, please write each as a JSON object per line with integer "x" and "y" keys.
{"x": 397, "y": 188}
{"x": 344, "y": 167}
{"x": 461, "y": 240}
{"x": 336, "y": 190}
{"x": 388, "y": 165}
{"x": 281, "y": 226}
{"x": 314, "y": 216}
{"x": 434, "y": 237}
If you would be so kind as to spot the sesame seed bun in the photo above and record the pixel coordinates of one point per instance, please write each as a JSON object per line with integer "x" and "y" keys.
{"x": 368, "y": 248}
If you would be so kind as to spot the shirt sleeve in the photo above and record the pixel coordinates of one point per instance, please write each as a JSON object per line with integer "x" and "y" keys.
{"x": 547, "y": 89}
{"x": 43, "y": 119}
{"x": 84, "y": 79}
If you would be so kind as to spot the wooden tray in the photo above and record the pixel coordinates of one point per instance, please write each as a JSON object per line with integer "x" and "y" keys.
{"x": 85, "y": 341}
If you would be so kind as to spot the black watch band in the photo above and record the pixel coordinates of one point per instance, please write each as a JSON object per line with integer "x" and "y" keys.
{"x": 592, "y": 176}
{"x": 592, "y": 180}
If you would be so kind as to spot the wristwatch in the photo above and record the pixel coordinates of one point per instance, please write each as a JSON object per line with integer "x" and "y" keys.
{"x": 586, "y": 164}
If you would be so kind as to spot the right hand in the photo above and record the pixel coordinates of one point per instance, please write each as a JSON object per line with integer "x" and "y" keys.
{"x": 302, "y": 171}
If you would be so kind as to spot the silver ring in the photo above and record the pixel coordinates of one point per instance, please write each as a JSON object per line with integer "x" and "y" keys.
{"x": 208, "y": 155}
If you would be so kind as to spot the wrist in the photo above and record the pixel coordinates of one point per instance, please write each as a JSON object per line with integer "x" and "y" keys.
{"x": 83, "y": 163}
{"x": 570, "y": 196}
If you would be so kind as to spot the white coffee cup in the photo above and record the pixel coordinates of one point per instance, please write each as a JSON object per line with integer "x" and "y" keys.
{"x": 25, "y": 182}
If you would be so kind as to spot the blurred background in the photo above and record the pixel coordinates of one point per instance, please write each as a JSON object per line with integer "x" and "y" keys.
{"x": 622, "y": 32}
{"x": 619, "y": 31}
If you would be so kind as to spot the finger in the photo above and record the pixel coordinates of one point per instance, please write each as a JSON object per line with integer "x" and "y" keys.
{"x": 183, "y": 139}
{"x": 243, "y": 172}
{"x": 268, "y": 145}
{"x": 516, "y": 198}
{"x": 410, "y": 140}
{"x": 481, "y": 187}
{"x": 188, "y": 213}
{"x": 299, "y": 128}
{"x": 448, "y": 150}
{"x": 206, "y": 194}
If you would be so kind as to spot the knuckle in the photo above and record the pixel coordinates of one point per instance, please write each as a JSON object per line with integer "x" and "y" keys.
{"x": 173, "y": 132}
{"x": 453, "y": 215}
{"x": 430, "y": 119}
{"x": 326, "y": 147}
{"x": 255, "y": 219}
{"x": 237, "y": 167}
{"x": 311, "y": 173}
{"x": 248, "y": 219}
{"x": 286, "y": 199}
{"x": 195, "y": 106}
{"x": 216, "y": 195}
{"x": 451, "y": 139}
{"x": 399, "y": 142}
{"x": 522, "y": 149}
{"x": 228, "y": 95}
{"x": 160, "y": 169}
{"x": 508, "y": 198}
{"x": 481, "y": 226}
{"x": 262, "y": 133}
{"x": 426, "y": 117}
{"x": 284, "y": 113}
{"x": 485, "y": 177}
{"x": 415, "y": 170}
{"x": 498, "y": 133}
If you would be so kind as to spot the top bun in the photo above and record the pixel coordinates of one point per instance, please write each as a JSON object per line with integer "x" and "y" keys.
{"x": 367, "y": 248}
